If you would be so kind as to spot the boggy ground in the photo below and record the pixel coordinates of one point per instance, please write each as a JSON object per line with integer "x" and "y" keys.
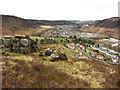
{"x": 35, "y": 71}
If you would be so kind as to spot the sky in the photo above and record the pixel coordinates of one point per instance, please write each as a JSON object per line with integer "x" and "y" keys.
{"x": 60, "y": 9}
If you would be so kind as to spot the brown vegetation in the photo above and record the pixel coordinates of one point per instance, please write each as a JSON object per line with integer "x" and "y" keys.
{"x": 36, "y": 71}
{"x": 111, "y": 32}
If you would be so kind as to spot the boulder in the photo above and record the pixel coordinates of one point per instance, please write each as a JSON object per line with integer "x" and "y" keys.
{"x": 62, "y": 56}
{"x": 48, "y": 52}
{"x": 54, "y": 57}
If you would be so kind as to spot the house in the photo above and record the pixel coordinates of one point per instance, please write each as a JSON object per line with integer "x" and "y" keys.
{"x": 72, "y": 44}
{"x": 83, "y": 57}
{"x": 115, "y": 61}
{"x": 99, "y": 56}
{"x": 76, "y": 50}
{"x": 72, "y": 47}
{"x": 92, "y": 53}
{"x": 77, "y": 44}
{"x": 68, "y": 45}
{"x": 80, "y": 52}
{"x": 82, "y": 46}
{"x": 87, "y": 50}
{"x": 116, "y": 44}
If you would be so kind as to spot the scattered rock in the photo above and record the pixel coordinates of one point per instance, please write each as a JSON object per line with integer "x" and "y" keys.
{"x": 62, "y": 56}
{"x": 48, "y": 52}
{"x": 55, "y": 55}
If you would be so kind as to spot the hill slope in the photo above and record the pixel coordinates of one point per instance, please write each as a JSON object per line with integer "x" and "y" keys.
{"x": 36, "y": 71}
{"x": 46, "y": 22}
{"x": 16, "y": 22}
{"x": 108, "y": 23}
{"x": 109, "y": 27}
{"x": 14, "y": 25}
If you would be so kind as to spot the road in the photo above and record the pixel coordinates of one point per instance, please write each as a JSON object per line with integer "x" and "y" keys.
{"x": 96, "y": 58}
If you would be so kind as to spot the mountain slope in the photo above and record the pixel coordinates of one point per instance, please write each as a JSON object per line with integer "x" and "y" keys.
{"x": 15, "y": 21}
{"x": 109, "y": 27}
{"x": 108, "y": 23}
{"x": 46, "y": 22}
{"x": 14, "y": 25}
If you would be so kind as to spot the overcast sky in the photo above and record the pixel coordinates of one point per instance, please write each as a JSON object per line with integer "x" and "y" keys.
{"x": 60, "y": 9}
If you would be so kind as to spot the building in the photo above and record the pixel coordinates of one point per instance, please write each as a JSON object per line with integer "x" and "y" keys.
{"x": 77, "y": 44}
{"x": 99, "y": 56}
{"x": 92, "y": 53}
{"x": 70, "y": 46}
{"x": 83, "y": 57}
{"x": 76, "y": 50}
{"x": 87, "y": 50}
{"x": 82, "y": 46}
{"x": 80, "y": 52}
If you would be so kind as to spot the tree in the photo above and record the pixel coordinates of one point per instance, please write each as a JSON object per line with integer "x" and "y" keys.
{"x": 79, "y": 39}
{"x": 70, "y": 36}
{"x": 68, "y": 41}
{"x": 97, "y": 51}
{"x": 36, "y": 40}
{"x": 98, "y": 46}
{"x": 39, "y": 35}
{"x": 41, "y": 41}
{"x": 61, "y": 40}
{"x": 75, "y": 37}
{"x": 89, "y": 41}
{"x": 93, "y": 43}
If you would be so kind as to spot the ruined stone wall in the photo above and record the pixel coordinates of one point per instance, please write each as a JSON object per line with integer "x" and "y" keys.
{"x": 23, "y": 45}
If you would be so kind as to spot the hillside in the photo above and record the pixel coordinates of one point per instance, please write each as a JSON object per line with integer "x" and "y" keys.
{"x": 109, "y": 27}
{"x": 51, "y": 23}
{"x": 16, "y": 22}
{"x": 13, "y": 25}
{"x": 35, "y": 71}
{"x": 113, "y": 33}
{"x": 108, "y": 23}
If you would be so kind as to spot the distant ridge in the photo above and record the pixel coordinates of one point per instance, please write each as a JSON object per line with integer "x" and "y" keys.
{"x": 11, "y": 24}
{"x": 15, "y": 22}
{"x": 55, "y": 22}
{"x": 113, "y": 22}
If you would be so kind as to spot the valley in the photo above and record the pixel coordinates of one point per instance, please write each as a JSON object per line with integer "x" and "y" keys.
{"x": 70, "y": 54}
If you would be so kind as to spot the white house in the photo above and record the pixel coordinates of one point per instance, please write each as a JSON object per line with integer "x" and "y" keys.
{"x": 92, "y": 53}
{"x": 83, "y": 57}
{"x": 76, "y": 50}
{"x": 70, "y": 46}
{"x": 82, "y": 46}
{"x": 77, "y": 44}
{"x": 99, "y": 56}
{"x": 87, "y": 50}
{"x": 80, "y": 52}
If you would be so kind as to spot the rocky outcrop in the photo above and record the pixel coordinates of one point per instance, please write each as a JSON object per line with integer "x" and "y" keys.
{"x": 55, "y": 55}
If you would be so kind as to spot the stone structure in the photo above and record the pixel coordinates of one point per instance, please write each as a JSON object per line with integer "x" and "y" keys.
{"x": 55, "y": 55}
{"x": 19, "y": 44}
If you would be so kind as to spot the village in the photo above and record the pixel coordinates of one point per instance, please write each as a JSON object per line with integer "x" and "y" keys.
{"x": 83, "y": 52}
{"x": 67, "y": 31}
{"x": 103, "y": 52}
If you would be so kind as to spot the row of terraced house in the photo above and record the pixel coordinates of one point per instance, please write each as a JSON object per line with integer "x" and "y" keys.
{"x": 80, "y": 52}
